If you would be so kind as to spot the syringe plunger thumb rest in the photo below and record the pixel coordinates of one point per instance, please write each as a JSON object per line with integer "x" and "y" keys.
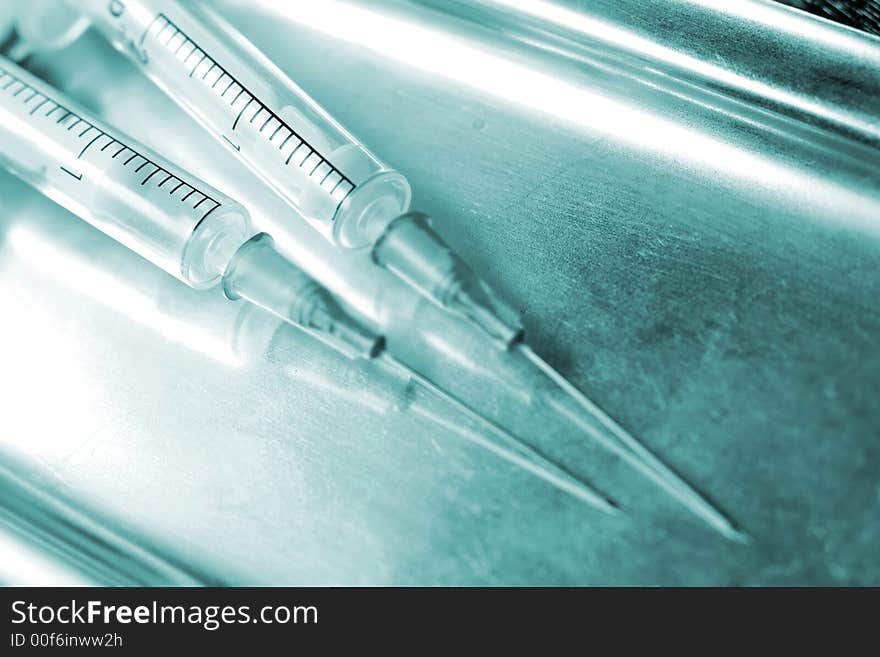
{"x": 258, "y": 273}
{"x": 411, "y": 250}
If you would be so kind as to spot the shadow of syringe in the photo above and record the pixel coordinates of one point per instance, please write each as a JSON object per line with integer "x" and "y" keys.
{"x": 376, "y": 297}
{"x": 89, "y": 263}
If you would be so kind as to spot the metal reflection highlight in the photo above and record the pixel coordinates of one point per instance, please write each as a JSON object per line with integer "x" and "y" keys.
{"x": 78, "y": 275}
{"x": 437, "y": 53}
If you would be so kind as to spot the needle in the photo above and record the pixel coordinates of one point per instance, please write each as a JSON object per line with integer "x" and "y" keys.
{"x": 514, "y": 451}
{"x": 345, "y": 335}
{"x": 636, "y": 454}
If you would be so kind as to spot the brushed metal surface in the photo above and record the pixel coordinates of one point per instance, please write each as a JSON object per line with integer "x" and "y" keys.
{"x": 706, "y": 273}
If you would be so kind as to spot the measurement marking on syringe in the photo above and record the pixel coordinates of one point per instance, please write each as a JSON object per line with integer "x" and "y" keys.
{"x": 230, "y": 87}
{"x": 150, "y": 176}
{"x": 344, "y": 184}
{"x": 197, "y": 65}
{"x": 176, "y": 32}
{"x": 150, "y": 27}
{"x": 78, "y": 176}
{"x": 191, "y": 52}
{"x": 301, "y": 144}
{"x": 86, "y": 147}
{"x": 65, "y": 124}
{"x": 45, "y": 100}
{"x": 242, "y": 112}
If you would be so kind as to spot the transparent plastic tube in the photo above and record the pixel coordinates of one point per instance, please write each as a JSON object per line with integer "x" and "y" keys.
{"x": 117, "y": 185}
{"x": 338, "y": 186}
{"x": 324, "y": 173}
{"x": 43, "y": 25}
{"x": 159, "y": 211}
{"x": 198, "y": 235}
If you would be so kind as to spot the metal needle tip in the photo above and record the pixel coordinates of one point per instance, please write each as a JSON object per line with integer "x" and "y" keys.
{"x": 636, "y": 454}
{"x": 513, "y": 450}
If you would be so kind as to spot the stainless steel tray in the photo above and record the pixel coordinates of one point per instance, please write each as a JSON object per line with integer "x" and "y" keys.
{"x": 682, "y": 197}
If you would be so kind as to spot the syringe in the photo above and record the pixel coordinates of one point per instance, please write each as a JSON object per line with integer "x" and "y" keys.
{"x": 196, "y": 234}
{"x": 331, "y": 180}
{"x": 324, "y": 173}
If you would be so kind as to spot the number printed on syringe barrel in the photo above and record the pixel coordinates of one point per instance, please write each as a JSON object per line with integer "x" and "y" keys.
{"x": 323, "y": 172}
{"x": 118, "y": 185}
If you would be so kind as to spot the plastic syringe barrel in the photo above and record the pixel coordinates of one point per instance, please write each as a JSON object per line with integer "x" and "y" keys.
{"x": 322, "y": 172}
{"x": 115, "y": 183}
{"x": 144, "y": 202}
{"x": 226, "y": 84}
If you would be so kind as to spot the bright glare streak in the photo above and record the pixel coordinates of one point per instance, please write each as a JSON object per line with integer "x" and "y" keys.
{"x": 22, "y": 565}
{"x": 788, "y": 19}
{"x": 102, "y": 287}
{"x": 45, "y": 393}
{"x": 436, "y": 53}
{"x": 624, "y": 40}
